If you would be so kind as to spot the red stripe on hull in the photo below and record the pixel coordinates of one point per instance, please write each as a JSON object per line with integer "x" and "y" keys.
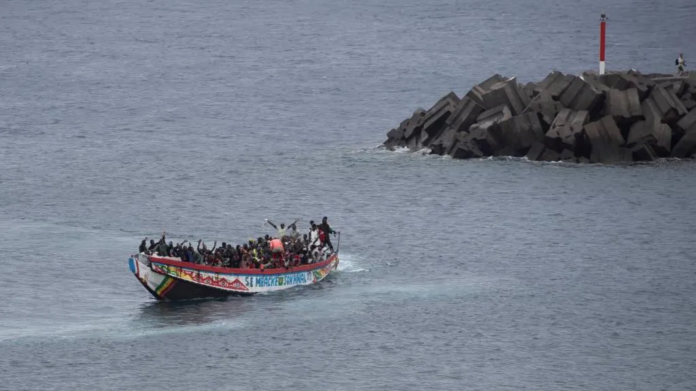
{"x": 602, "y": 40}
{"x": 169, "y": 288}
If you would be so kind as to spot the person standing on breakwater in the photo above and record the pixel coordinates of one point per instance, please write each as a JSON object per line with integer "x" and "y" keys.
{"x": 680, "y": 63}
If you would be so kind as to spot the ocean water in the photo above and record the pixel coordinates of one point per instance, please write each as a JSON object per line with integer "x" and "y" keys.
{"x": 119, "y": 120}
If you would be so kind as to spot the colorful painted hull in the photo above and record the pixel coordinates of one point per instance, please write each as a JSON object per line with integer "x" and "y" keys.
{"x": 171, "y": 279}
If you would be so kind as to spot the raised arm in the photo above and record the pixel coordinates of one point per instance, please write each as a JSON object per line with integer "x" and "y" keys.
{"x": 272, "y": 225}
{"x": 293, "y": 224}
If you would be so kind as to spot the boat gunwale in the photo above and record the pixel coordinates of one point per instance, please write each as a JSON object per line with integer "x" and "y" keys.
{"x": 176, "y": 262}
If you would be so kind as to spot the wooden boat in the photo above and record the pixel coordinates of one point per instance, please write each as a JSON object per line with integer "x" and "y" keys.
{"x": 169, "y": 278}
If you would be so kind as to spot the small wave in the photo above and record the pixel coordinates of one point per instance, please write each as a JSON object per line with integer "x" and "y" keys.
{"x": 401, "y": 150}
{"x": 116, "y": 329}
{"x": 148, "y": 330}
{"x": 349, "y": 264}
{"x": 382, "y": 148}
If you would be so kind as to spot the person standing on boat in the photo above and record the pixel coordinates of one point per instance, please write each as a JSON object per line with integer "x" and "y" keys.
{"x": 294, "y": 233}
{"x": 314, "y": 235}
{"x": 161, "y": 248}
{"x": 281, "y": 230}
{"x": 152, "y": 247}
{"x": 326, "y": 228}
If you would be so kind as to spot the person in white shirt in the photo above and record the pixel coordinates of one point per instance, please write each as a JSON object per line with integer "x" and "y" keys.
{"x": 314, "y": 235}
{"x": 281, "y": 230}
{"x": 680, "y": 64}
{"x": 315, "y": 255}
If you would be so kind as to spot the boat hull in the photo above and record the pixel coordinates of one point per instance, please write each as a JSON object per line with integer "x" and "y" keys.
{"x": 170, "y": 279}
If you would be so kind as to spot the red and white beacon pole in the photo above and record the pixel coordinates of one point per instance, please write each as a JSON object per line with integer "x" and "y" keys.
{"x": 602, "y": 41}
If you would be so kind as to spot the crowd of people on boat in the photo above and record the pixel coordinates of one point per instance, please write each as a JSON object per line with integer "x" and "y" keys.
{"x": 288, "y": 248}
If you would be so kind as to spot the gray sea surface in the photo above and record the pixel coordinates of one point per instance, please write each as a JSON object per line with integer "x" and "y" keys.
{"x": 121, "y": 119}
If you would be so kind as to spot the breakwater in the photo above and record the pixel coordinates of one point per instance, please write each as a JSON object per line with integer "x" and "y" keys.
{"x": 612, "y": 118}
